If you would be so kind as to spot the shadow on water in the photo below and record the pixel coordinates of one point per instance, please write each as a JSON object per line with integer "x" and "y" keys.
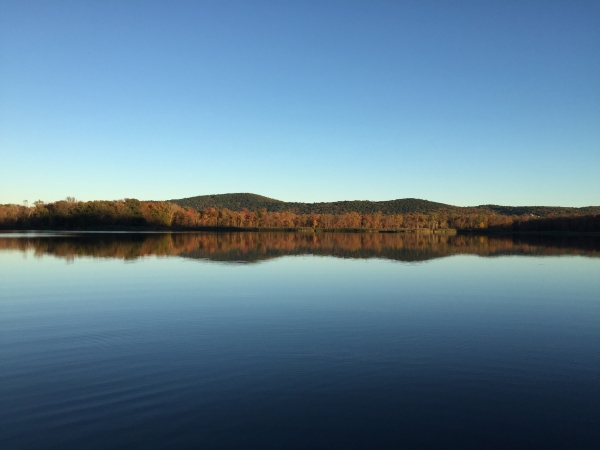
{"x": 250, "y": 247}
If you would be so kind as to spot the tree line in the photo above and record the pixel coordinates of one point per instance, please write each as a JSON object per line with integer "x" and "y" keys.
{"x": 131, "y": 213}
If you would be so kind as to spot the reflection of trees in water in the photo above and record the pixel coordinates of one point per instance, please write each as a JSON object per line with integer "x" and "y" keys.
{"x": 249, "y": 246}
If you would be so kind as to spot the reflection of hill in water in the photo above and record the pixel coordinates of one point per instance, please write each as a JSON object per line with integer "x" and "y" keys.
{"x": 254, "y": 247}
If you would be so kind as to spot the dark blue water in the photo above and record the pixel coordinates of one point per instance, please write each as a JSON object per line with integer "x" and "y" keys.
{"x": 288, "y": 341}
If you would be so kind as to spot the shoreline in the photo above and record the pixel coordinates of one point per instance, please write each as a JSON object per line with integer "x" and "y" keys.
{"x": 124, "y": 229}
{"x": 227, "y": 229}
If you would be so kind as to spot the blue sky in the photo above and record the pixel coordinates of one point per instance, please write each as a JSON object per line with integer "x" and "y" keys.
{"x": 459, "y": 102}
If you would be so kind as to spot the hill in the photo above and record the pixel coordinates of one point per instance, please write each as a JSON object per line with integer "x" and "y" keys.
{"x": 254, "y": 202}
{"x": 233, "y": 202}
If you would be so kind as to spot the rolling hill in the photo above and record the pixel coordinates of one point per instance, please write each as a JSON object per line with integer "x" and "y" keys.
{"x": 253, "y": 202}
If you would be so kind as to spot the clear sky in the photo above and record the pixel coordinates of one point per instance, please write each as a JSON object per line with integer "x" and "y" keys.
{"x": 459, "y": 102}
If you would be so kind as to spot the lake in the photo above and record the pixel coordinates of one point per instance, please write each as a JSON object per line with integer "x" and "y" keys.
{"x": 298, "y": 340}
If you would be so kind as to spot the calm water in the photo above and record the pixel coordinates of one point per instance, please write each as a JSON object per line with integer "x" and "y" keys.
{"x": 290, "y": 340}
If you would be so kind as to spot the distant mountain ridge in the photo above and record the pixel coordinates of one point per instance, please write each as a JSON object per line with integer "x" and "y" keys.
{"x": 253, "y": 202}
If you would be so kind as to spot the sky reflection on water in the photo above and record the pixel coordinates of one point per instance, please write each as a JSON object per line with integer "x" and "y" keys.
{"x": 302, "y": 350}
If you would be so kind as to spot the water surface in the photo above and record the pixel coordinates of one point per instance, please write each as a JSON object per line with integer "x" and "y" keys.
{"x": 298, "y": 340}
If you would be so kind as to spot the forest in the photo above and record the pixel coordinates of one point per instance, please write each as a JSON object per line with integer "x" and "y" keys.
{"x": 136, "y": 214}
{"x": 254, "y": 202}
